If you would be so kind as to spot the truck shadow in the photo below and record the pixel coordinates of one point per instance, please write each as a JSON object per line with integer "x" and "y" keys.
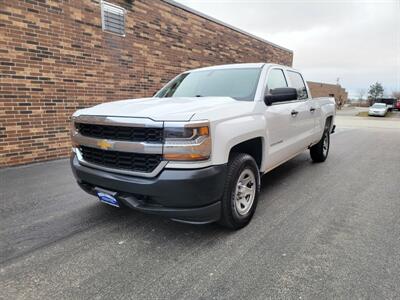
{"x": 92, "y": 216}
{"x": 269, "y": 182}
{"x": 285, "y": 171}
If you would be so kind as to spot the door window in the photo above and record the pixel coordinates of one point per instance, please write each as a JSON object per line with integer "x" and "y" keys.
{"x": 297, "y": 82}
{"x": 276, "y": 79}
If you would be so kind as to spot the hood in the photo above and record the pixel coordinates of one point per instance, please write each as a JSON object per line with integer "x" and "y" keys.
{"x": 161, "y": 109}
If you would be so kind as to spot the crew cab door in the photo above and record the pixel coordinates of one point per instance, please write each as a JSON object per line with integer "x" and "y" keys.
{"x": 279, "y": 122}
{"x": 304, "y": 112}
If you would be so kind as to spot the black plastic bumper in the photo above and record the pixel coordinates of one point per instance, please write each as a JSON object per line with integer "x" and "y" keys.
{"x": 186, "y": 195}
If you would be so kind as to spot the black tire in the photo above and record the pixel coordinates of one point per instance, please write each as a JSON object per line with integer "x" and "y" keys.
{"x": 319, "y": 152}
{"x": 239, "y": 164}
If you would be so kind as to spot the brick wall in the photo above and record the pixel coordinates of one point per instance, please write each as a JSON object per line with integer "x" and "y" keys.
{"x": 320, "y": 89}
{"x": 55, "y": 59}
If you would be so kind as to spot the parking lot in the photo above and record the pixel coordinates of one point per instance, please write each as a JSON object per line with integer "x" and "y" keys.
{"x": 327, "y": 230}
{"x": 350, "y": 118}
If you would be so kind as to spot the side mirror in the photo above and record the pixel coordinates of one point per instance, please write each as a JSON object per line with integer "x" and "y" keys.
{"x": 280, "y": 95}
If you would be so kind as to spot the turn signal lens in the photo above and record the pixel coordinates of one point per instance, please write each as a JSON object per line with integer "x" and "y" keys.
{"x": 203, "y": 130}
{"x": 188, "y": 156}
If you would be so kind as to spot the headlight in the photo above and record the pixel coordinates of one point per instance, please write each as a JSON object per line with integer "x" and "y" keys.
{"x": 187, "y": 141}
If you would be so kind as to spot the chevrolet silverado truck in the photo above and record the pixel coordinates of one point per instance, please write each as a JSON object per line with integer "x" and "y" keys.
{"x": 196, "y": 150}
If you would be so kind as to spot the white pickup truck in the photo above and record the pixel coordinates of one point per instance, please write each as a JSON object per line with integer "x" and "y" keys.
{"x": 195, "y": 152}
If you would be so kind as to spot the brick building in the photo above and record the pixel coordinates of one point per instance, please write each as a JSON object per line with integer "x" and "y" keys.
{"x": 320, "y": 89}
{"x": 59, "y": 56}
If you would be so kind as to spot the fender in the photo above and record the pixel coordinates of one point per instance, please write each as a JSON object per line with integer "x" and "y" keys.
{"x": 229, "y": 133}
{"x": 328, "y": 109}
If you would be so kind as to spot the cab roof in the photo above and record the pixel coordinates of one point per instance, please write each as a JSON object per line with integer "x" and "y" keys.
{"x": 239, "y": 66}
{"x": 230, "y": 66}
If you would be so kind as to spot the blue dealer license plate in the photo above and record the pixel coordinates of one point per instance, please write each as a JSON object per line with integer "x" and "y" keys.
{"x": 108, "y": 199}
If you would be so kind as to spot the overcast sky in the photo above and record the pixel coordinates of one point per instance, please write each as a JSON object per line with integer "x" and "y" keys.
{"x": 355, "y": 41}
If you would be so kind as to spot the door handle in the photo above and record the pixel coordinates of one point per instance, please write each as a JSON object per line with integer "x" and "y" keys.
{"x": 312, "y": 109}
{"x": 294, "y": 113}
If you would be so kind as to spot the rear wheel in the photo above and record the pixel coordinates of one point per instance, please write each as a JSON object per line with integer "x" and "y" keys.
{"x": 241, "y": 191}
{"x": 319, "y": 152}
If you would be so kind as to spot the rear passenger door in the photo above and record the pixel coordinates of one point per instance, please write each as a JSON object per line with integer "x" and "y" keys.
{"x": 303, "y": 113}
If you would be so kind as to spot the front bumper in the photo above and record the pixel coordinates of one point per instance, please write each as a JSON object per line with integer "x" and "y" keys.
{"x": 377, "y": 114}
{"x": 186, "y": 195}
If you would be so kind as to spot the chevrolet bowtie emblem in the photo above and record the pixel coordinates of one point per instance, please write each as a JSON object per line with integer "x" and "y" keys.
{"x": 104, "y": 144}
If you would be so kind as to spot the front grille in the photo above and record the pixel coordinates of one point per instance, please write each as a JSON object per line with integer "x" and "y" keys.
{"x": 121, "y": 133}
{"x": 137, "y": 162}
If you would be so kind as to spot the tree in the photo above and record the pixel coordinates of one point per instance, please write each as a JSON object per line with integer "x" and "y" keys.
{"x": 361, "y": 94}
{"x": 396, "y": 94}
{"x": 375, "y": 91}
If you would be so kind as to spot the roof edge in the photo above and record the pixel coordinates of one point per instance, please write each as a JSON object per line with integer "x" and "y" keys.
{"x": 200, "y": 14}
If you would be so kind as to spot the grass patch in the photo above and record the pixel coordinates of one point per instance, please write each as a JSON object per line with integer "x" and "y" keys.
{"x": 362, "y": 114}
{"x": 365, "y": 114}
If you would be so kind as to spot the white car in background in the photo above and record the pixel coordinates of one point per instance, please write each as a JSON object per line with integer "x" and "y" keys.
{"x": 378, "y": 109}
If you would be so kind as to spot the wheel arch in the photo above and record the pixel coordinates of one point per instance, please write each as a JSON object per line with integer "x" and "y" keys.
{"x": 253, "y": 147}
{"x": 329, "y": 122}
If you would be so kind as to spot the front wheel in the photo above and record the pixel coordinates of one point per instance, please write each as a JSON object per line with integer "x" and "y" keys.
{"x": 319, "y": 152}
{"x": 241, "y": 190}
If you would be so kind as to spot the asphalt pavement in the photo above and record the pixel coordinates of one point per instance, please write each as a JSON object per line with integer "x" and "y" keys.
{"x": 329, "y": 230}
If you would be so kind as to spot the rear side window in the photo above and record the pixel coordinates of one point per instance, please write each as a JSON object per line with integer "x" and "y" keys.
{"x": 297, "y": 82}
{"x": 276, "y": 79}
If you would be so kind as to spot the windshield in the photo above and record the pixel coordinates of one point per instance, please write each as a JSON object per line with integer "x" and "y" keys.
{"x": 379, "y": 105}
{"x": 240, "y": 84}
